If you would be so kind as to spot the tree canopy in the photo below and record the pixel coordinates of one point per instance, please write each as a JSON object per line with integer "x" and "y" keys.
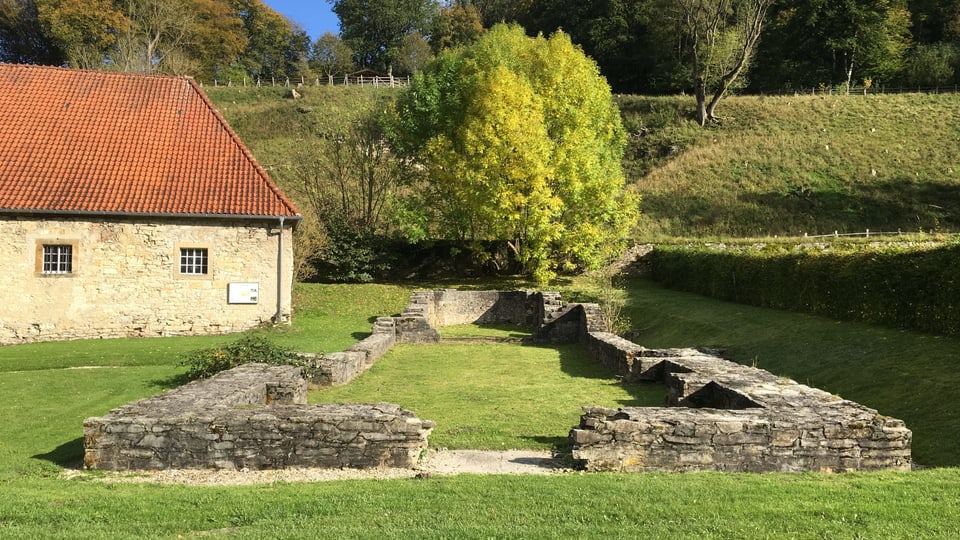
{"x": 521, "y": 142}
{"x": 375, "y": 29}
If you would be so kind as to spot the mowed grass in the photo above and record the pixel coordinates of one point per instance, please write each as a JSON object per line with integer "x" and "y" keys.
{"x": 44, "y": 403}
{"x": 907, "y": 375}
{"x": 494, "y": 395}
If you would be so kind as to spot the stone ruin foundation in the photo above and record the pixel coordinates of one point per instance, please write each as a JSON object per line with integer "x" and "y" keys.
{"x": 720, "y": 416}
{"x": 254, "y": 416}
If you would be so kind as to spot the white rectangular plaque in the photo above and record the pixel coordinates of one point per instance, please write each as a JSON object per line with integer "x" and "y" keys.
{"x": 243, "y": 293}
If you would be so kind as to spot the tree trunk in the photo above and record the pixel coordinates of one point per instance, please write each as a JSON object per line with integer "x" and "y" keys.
{"x": 849, "y": 68}
{"x": 701, "y": 92}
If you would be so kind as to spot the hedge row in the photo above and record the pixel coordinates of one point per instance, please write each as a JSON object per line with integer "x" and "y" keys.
{"x": 915, "y": 287}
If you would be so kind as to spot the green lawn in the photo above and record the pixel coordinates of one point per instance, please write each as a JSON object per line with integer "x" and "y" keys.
{"x": 493, "y": 395}
{"x": 902, "y": 374}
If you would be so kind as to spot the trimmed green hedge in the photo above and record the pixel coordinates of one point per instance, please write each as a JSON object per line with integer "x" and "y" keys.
{"x": 895, "y": 285}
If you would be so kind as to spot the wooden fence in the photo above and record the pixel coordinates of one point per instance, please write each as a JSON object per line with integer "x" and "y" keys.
{"x": 348, "y": 80}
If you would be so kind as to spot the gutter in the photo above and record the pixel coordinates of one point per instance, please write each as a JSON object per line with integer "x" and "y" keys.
{"x": 166, "y": 215}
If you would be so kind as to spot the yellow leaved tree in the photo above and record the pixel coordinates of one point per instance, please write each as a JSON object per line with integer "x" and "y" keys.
{"x": 520, "y": 142}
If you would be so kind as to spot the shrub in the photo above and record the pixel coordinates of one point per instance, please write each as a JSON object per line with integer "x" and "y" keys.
{"x": 896, "y": 285}
{"x": 204, "y": 363}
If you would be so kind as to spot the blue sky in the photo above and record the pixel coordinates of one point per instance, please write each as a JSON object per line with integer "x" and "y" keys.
{"x": 313, "y": 15}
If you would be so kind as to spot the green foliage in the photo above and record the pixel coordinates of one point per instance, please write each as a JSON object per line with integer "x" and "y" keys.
{"x": 833, "y": 42}
{"x": 930, "y": 64}
{"x": 894, "y": 285}
{"x": 521, "y": 142}
{"x": 204, "y": 363}
{"x": 330, "y": 56}
{"x": 376, "y": 30}
{"x": 352, "y": 253}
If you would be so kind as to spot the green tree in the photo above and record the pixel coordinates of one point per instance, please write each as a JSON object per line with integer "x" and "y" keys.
{"x": 716, "y": 39}
{"x": 375, "y": 28}
{"x": 813, "y": 42}
{"x": 274, "y": 47}
{"x": 22, "y": 38}
{"x": 501, "y": 11}
{"x": 521, "y": 142}
{"x": 414, "y": 53}
{"x": 455, "y": 25}
{"x": 330, "y": 56}
{"x": 930, "y": 64}
{"x": 348, "y": 176}
{"x": 86, "y": 30}
{"x": 615, "y": 33}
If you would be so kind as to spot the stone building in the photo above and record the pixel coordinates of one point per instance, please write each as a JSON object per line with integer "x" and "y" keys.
{"x": 128, "y": 207}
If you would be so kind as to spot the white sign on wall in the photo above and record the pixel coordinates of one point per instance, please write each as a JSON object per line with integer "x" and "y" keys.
{"x": 243, "y": 293}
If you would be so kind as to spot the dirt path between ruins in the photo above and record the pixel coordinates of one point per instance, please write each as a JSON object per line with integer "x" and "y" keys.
{"x": 436, "y": 463}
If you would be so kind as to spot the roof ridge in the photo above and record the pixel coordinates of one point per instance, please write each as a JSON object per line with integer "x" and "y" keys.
{"x": 117, "y": 73}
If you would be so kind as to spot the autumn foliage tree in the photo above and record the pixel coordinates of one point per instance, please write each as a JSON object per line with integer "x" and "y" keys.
{"x": 521, "y": 142}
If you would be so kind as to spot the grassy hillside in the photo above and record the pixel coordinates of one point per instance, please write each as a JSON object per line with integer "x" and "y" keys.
{"x": 775, "y": 166}
{"x": 795, "y": 165}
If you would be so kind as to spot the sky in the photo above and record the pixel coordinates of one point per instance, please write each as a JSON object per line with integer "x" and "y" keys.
{"x": 314, "y": 16}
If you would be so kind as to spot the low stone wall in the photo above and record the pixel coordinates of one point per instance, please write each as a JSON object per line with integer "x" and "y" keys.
{"x": 452, "y": 307}
{"x": 421, "y": 319}
{"x": 729, "y": 417}
{"x": 254, "y": 416}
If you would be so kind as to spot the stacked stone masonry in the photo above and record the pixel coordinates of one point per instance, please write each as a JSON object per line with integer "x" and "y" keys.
{"x": 720, "y": 415}
{"x": 728, "y": 417}
{"x": 254, "y": 417}
{"x": 125, "y": 279}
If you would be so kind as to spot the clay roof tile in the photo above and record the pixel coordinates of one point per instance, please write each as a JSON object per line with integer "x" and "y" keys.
{"x": 119, "y": 143}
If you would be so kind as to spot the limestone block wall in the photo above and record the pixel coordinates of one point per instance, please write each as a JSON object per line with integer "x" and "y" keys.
{"x": 342, "y": 367}
{"x": 729, "y": 417}
{"x": 451, "y": 307}
{"x": 253, "y": 417}
{"x": 126, "y": 282}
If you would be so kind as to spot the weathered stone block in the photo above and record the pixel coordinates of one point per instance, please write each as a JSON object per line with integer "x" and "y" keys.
{"x": 228, "y": 435}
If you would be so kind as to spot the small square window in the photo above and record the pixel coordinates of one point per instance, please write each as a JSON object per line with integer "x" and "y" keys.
{"x": 193, "y": 261}
{"x": 57, "y": 259}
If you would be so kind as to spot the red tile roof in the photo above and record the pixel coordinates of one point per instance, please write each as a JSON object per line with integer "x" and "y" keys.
{"x": 119, "y": 143}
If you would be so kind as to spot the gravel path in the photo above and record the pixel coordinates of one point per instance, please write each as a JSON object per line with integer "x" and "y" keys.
{"x": 436, "y": 463}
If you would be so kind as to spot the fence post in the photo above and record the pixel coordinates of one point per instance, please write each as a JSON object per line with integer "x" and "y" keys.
{"x": 836, "y": 234}
{"x": 868, "y": 233}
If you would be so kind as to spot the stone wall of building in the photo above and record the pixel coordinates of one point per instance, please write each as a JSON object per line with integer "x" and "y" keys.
{"x": 254, "y": 416}
{"x": 126, "y": 282}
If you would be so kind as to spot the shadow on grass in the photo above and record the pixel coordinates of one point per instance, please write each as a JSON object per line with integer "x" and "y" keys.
{"x": 170, "y": 383}
{"x": 576, "y": 361}
{"x": 68, "y": 455}
{"x": 559, "y": 444}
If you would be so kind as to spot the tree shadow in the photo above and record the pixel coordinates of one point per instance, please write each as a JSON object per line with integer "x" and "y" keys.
{"x": 68, "y": 455}
{"x": 900, "y": 204}
{"x": 576, "y": 361}
{"x": 169, "y": 383}
{"x": 560, "y": 444}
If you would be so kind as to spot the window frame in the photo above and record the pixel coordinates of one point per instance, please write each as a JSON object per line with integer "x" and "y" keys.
{"x": 42, "y": 264}
{"x": 191, "y": 257}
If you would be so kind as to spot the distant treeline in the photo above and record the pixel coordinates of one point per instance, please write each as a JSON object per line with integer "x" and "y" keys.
{"x": 640, "y": 45}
